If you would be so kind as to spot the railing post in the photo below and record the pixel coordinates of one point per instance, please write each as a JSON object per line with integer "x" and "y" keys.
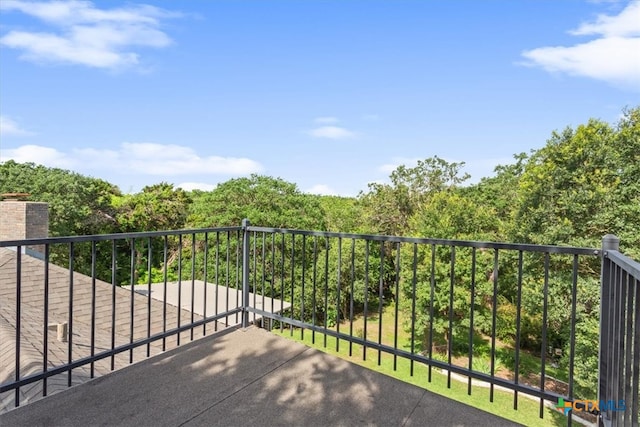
{"x": 610, "y": 242}
{"x": 245, "y": 272}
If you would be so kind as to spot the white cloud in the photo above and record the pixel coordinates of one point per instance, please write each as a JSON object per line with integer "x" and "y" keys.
{"x": 180, "y": 160}
{"x": 37, "y": 154}
{"x": 612, "y": 56}
{"x": 626, "y": 24}
{"x": 323, "y": 190}
{"x": 70, "y": 12}
{"x": 331, "y": 132}
{"x": 139, "y": 158}
{"x": 87, "y": 35}
{"x": 8, "y": 127}
{"x": 326, "y": 120}
{"x": 190, "y": 186}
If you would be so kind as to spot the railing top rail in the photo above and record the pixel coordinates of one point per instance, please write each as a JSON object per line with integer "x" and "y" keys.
{"x": 372, "y": 237}
{"x": 116, "y": 236}
{"x": 629, "y": 265}
{"x": 446, "y": 242}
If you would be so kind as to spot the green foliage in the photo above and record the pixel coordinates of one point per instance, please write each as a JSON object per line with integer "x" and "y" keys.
{"x": 279, "y": 268}
{"x": 78, "y": 204}
{"x": 566, "y": 184}
{"x": 497, "y": 193}
{"x": 585, "y": 368}
{"x": 437, "y": 320}
{"x": 157, "y": 275}
{"x": 265, "y": 201}
{"x": 342, "y": 214}
{"x": 452, "y": 215}
{"x": 156, "y": 207}
{"x": 624, "y": 215}
{"x": 583, "y": 184}
{"x": 389, "y": 207}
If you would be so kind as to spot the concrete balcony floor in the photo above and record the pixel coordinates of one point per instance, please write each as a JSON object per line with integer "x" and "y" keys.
{"x": 246, "y": 377}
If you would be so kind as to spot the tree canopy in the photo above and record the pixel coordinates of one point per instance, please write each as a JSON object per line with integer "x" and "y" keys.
{"x": 77, "y": 204}
{"x": 265, "y": 201}
{"x": 584, "y": 183}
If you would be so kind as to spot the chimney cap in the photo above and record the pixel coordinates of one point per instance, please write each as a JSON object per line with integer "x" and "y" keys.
{"x": 13, "y": 197}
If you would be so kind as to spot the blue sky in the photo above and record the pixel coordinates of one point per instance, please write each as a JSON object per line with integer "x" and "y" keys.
{"x": 330, "y": 95}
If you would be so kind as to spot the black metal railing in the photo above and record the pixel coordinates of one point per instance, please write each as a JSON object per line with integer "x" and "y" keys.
{"x": 619, "y": 361}
{"x": 458, "y": 304}
{"x": 514, "y": 316}
{"x": 85, "y": 306}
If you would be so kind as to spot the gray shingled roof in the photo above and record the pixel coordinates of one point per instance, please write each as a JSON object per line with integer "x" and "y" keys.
{"x": 32, "y": 324}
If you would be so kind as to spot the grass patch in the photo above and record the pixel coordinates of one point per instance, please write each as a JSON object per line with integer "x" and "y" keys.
{"x": 400, "y": 368}
{"x": 394, "y": 334}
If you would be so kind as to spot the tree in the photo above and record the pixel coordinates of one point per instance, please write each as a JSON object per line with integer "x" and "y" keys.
{"x": 265, "y": 201}
{"x": 625, "y": 213}
{"x": 77, "y": 204}
{"x": 388, "y": 207}
{"x": 278, "y": 268}
{"x": 449, "y": 215}
{"x": 342, "y": 214}
{"x": 156, "y": 207}
{"x": 498, "y": 193}
{"x": 583, "y": 184}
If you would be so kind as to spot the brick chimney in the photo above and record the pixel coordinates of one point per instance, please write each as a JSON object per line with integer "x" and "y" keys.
{"x": 21, "y": 219}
